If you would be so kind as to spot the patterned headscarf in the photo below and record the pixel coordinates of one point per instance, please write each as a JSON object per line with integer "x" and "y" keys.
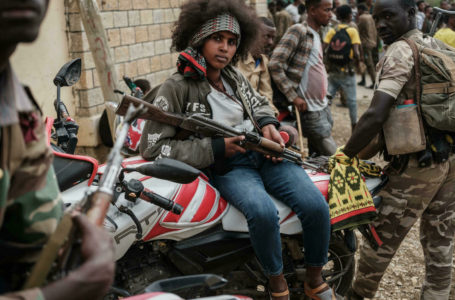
{"x": 224, "y": 22}
{"x": 190, "y": 62}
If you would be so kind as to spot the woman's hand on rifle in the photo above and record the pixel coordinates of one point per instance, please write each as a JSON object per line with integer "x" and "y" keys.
{"x": 271, "y": 133}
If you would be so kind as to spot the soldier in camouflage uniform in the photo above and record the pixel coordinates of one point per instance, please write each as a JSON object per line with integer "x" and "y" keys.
{"x": 413, "y": 192}
{"x": 30, "y": 202}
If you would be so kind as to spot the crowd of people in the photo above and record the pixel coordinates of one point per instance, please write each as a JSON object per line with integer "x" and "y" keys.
{"x": 325, "y": 68}
{"x": 241, "y": 70}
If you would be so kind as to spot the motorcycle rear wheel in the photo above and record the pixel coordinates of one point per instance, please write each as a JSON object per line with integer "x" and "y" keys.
{"x": 250, "y": 280}
{"x": 341, "y": 261}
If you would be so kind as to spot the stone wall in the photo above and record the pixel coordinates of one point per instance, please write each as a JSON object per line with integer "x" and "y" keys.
{"x": 139, "y": 37}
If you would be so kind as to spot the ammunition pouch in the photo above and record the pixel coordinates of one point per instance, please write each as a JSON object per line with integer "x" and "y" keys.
{"x": 397, "y": 165}
{"x": 441, "y": 144}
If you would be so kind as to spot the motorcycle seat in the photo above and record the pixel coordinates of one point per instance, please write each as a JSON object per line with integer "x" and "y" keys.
{"x": 72, "y": 169}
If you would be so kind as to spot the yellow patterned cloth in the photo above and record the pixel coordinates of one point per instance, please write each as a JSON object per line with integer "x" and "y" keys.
{"x": 350, "y": 202}
{"x": 369, "y": 169}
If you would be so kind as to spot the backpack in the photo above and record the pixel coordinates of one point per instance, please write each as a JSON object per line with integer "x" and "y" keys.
{"x": 435, "y": 69}
{"x": 340, "y": 48}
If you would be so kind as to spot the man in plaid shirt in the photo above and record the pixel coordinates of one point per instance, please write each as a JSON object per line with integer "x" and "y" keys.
{"x": 297, "y": 68}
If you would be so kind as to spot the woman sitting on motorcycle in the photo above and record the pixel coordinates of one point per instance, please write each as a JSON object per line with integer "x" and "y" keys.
{"x": 212, "y": 35}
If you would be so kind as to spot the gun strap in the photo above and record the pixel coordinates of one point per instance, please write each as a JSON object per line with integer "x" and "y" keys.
{"x": 49, "y": 253}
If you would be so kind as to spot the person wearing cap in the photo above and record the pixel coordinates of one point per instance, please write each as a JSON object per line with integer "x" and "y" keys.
{"x": 212, "y": 35}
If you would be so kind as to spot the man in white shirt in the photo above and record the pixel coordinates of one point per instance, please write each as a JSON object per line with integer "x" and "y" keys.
{"x": 293, "y": 10}
{"x": 298, "y": 70}
{"x": 420, "y": 15}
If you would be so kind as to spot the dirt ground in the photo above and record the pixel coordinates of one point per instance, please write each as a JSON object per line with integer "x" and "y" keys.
{"x": 405, "y": 274}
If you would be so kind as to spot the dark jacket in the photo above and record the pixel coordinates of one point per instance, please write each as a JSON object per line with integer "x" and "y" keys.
{"x": 187, "y": 96}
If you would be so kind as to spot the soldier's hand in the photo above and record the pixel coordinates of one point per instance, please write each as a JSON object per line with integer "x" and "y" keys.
{"x": 232, "y": 145}
{"x": 97, "y": 250}
{"x": 94, "y": 277}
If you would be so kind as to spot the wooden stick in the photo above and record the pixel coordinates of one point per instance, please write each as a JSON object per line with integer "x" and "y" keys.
{"x": 99, "y": 46}
{"x": 299, "y": 127}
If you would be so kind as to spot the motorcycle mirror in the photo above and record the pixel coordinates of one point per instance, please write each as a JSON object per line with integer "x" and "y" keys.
{"x": 69, "y": 74}
{"x": 169, "y": 169}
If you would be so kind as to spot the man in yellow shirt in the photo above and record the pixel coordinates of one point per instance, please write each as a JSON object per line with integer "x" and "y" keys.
{"x": 447, "y": 34}
{"x": 342, "y": 52}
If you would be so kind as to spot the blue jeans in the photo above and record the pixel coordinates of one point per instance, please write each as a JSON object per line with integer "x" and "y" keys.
{"x": 247, "y": 187}
{"x": 317, "y": 128}
{"x": 347, "y": 83}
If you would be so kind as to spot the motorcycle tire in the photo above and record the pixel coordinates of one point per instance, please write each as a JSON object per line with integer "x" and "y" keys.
{"x": 343, "y": 261}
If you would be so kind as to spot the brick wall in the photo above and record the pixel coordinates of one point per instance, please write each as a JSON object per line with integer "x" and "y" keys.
{"x": 139, "y": 36}
{"x": 139, "y": 33}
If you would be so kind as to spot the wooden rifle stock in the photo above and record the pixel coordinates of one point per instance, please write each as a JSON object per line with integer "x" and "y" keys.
{"x": 151, "y": 112}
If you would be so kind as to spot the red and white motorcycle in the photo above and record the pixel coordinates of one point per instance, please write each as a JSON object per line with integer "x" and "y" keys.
{"x": 209, "y": 236}
{"x": 162, "y": 229}
{"x": 199, "y": 232}
{"x": 76, "y": 173}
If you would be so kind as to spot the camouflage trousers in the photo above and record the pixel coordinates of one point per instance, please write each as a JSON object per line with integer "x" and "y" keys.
{"x": 428, "y": 194}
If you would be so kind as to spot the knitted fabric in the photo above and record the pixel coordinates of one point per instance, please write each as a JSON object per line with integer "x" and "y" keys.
{"x": 369, "y": 169}
{"x": 224, "y": 22}
{"x": 350, "y": 202}
{"x": 191, "y": 64}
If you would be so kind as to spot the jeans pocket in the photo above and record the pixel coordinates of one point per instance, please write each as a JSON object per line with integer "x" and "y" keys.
{"x": 311, "y": 115}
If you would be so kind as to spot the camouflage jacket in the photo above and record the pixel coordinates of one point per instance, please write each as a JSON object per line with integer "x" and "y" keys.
{"x": 395, "y": 70}
{"x": 187, "y": 96}
{"x": 30, "y": 204}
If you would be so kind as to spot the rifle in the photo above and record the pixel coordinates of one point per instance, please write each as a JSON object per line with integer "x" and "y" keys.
{"x": 95, "y": 205}
{"x": 208, "y": 127}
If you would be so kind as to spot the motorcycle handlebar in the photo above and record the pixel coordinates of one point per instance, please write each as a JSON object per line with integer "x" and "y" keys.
{"x": 165, "y": 203}
{"x": 62, "y": 111}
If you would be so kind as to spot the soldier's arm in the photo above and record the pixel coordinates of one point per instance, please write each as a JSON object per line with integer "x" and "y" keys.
{"x": 396, "y": 71}
{"x": 370, "y": 124}
{"x": 94, "y": 277}
{"x": 90, "y": 281}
